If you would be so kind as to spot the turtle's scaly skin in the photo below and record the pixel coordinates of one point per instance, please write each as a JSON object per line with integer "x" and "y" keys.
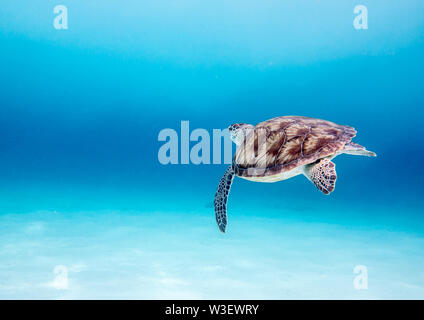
{"x": 284, "y": 143}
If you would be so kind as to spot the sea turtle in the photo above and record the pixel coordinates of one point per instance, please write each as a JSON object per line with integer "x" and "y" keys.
{"x": 284, "y": 147}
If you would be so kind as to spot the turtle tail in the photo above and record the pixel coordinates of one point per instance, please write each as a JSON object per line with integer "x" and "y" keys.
{"x": 221, "y": 198}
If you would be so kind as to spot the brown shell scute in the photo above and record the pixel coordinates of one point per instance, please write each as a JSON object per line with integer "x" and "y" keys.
{"x": 284, "y": 143}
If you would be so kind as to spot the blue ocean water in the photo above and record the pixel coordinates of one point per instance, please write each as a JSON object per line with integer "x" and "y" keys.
{"x": 88, "y": 211}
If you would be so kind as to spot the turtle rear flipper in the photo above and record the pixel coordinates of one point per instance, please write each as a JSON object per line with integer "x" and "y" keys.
{"x": 221, "y": 198}
{"x": 323, "y": 175}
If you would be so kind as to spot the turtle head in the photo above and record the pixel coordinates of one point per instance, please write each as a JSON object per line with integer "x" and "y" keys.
{"x": 238, "y": 132}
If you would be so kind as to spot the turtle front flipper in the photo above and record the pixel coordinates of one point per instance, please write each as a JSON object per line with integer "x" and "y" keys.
{"x": 221, "y": 198}
{"x": 322, "y": 174}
